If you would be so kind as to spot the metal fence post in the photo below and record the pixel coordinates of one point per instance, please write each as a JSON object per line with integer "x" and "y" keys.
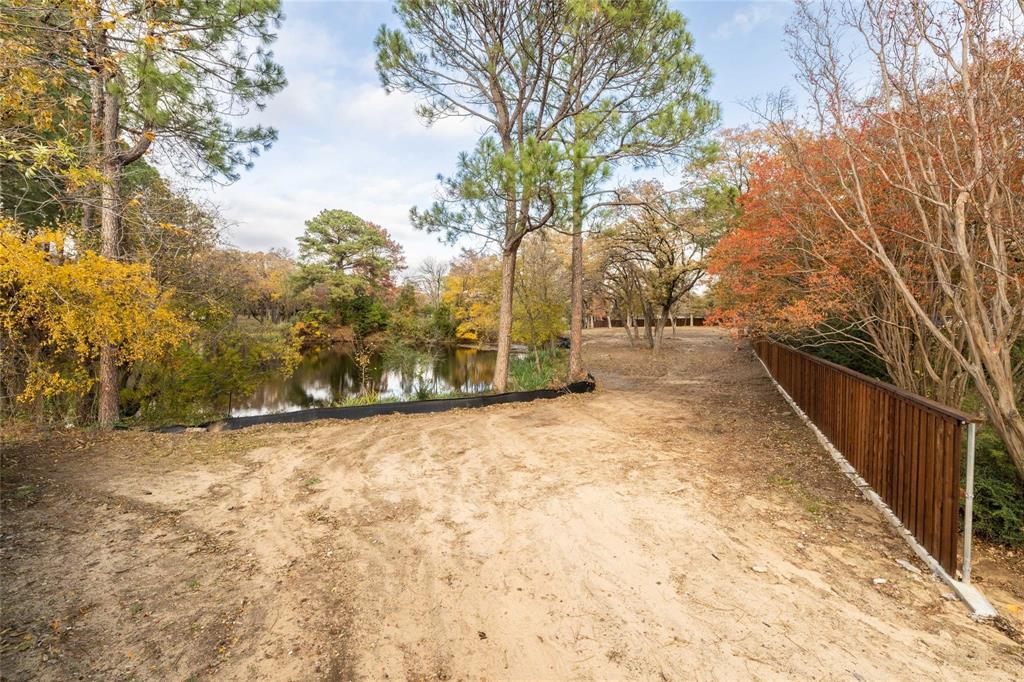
{"x": 969, "y": 502}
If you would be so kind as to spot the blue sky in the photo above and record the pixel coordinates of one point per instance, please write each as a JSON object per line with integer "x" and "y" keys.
{"x": 344, "y": 143}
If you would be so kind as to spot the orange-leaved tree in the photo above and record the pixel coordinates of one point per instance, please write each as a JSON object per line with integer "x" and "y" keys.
{"x": 939, "y": 135}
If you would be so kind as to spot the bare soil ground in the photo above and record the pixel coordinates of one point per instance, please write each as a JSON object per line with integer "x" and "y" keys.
{"x": 607, "y": 536}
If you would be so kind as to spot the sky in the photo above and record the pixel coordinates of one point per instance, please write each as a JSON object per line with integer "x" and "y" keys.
{"x": 344, "y": 143}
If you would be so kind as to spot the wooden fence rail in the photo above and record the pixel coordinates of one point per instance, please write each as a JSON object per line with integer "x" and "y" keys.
{"x": 905, "y": 446}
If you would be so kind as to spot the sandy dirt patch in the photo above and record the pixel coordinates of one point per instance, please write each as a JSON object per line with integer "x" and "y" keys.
{"x": 680, "y": 523}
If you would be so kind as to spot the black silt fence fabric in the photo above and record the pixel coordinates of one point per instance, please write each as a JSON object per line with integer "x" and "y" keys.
{"x": 377, "y": 409}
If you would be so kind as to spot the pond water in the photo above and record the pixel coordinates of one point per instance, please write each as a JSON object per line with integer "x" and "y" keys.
{"x": 328, "y": 377}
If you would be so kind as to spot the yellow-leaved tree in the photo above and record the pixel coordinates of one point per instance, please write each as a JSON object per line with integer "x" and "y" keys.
{"x": 59, "y": 307}
{"x": 470, "y": 291}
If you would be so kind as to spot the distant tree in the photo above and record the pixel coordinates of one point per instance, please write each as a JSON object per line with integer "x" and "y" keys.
{"x": 429, "y": 279}
{"x": 353, "y": 262}
{"x": 542, "y": 290}
{"x": 348, "y": 253}
{"x": 470, "y": 292}
{"x": 656, "y": 249}
{"x": 639, "y": 96}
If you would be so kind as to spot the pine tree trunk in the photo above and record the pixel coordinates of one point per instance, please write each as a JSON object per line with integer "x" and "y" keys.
{"x": 97, "y": 86}
{"x": 508, "y": 278}
{"x": 576, "y": 370}
{"x": 110, "y": 236}
{"x": 95, "y": 133}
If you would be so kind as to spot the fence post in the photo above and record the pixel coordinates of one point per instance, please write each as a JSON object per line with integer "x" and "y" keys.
{"x": 969, "y": 502}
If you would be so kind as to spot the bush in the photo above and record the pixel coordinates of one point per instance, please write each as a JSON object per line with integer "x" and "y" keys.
{"x": 855, "y": 356}
{"x": 310, "y": 330}
{"x": 998, "y": 492}
{"x": 366, "y": 314}
{"x": 442, "y": 326}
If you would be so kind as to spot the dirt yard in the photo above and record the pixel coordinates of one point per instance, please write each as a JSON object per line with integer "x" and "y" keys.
{"x": 680, "y": 523}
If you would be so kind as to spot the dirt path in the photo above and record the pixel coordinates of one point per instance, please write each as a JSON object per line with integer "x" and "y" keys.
{"x": 609, "y": 536}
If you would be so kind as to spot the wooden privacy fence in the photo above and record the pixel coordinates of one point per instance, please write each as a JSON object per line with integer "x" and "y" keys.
{"x": 906, "y": 447}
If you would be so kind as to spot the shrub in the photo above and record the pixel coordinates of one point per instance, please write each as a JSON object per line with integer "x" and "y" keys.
{"x": 366, "y": 314}
{"x": 998, "y": 492}
{"x": 855, "y": 356}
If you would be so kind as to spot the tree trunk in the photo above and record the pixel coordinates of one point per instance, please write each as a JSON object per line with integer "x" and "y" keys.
{"x": 994, "y": 380}
{"x": 1012, "y": 435}
{"x": 110, "y": 236}
{"x": 648, "y": 329}
{"x": 508, "y": 278}
{"x": 97, "y": 88}
{"x": 660, "y": 331}
{"x": 576, "y": 370}
{"x": 96, "y": 123}
{"x": 626, "y": 320}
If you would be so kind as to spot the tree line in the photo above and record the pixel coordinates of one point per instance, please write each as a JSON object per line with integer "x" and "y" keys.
{"x": 120, "y": 291}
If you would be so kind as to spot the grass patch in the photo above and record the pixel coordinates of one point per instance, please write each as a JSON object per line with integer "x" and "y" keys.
{"x": 811, "y": 503}
{"x": 444, "y": 395}
{"x": 366, "y": 399}
{"x": 538, "y": 369}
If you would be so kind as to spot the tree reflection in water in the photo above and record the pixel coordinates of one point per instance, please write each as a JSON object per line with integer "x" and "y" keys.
{"x": 328, "y": 377}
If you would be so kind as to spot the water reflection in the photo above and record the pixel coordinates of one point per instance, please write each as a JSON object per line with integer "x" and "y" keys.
{"x": 328, "y": 377}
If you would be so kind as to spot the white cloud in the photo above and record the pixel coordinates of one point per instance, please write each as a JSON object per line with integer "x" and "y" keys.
{"x": 375, "y": 111}
{"x": 746, "y": 19}
{"x": 306, "y": 42}
{"x": 343, "y": 142}
{"x": 270, "y": 207}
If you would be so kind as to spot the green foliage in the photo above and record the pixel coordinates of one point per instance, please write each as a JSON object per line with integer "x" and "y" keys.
{"x": 347, "y": 253}
{"x": 442, "y": 326}
{"x": 538, "y": 369}
{"x": 998, "y": 492}
{"x": 473, "y": 200}
{"x": 855, "y": 356}
{"x": 366, "y": 314}
{"x": 186, "y": 67}
{"x": 348, "y": 264}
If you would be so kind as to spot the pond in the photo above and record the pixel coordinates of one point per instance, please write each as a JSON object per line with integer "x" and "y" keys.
{"x": 328, "y": 377}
